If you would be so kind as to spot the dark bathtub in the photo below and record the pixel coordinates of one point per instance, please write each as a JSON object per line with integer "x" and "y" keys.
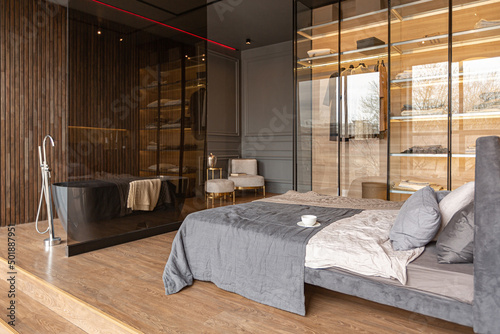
{"x": 95, "y": 209}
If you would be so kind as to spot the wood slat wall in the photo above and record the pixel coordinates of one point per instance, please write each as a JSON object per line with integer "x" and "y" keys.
{"x": 32, "y": 102}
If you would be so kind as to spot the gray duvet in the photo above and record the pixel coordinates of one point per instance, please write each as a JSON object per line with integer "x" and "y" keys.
{"x": 254, "y": 249}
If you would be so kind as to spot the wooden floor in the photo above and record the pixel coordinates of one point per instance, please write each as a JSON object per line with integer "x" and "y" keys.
{"x": 125, "y": 282}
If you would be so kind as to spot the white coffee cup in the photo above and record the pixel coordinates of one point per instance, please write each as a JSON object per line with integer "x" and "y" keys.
{"x": 308, "y": 220}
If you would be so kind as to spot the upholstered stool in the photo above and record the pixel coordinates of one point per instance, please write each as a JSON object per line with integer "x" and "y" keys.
{"x": 219, "y": 188}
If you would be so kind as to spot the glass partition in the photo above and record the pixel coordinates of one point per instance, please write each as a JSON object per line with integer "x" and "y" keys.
{"x": 363, "y": 105}
{"x": 137, "y": 116}
{"x": 419, "y": 96}
{"x": 342, "y": 98}
{"x": 393, "y": 95}
{"x": 476, "y": 82}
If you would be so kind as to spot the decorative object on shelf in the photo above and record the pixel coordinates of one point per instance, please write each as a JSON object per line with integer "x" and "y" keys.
{"x": 367, "y": 43}
{"x": 212, "y": 160}
{"x": 485, "y": 23}
{"x": 319, "y": 52}
{"x": 406, "y": 74}
{"x": 430, "y": 149}
{"x": 413, "y": 185}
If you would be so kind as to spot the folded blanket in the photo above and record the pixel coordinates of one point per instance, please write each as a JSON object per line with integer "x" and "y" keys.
{"x": 143, "y": 194}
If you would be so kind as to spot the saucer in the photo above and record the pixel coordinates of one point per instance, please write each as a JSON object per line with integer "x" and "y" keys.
{"x": 302, "y": 224}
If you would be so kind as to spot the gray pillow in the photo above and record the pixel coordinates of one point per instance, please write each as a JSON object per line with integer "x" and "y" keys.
{"x": 441, "y": 194}
{"x": 456, "y": 242}
{"x": 417, "y": 222}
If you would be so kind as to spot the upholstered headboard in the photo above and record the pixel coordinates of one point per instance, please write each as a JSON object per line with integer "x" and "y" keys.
{"x": 486, "y": 307}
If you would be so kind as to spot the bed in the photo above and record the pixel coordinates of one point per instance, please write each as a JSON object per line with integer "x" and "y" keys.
{"x": 258, "y": 251}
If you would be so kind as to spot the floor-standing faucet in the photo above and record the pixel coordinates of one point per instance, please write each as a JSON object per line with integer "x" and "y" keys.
{"x": 51, "y": 240}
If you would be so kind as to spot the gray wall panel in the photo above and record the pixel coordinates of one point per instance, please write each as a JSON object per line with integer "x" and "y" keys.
{"x": 267, "y": 102}
{"x": 223, "y": 124}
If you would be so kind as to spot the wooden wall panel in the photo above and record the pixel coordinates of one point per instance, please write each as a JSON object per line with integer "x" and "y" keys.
{"x": 32, "y": 102}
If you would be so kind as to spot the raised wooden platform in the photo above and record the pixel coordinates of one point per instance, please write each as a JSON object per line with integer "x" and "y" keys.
{"x": 120, "y": 290}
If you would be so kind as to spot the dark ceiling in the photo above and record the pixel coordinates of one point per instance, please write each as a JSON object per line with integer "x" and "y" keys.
{"x": 229, "y": 22}
{"x": 265, "y": 22}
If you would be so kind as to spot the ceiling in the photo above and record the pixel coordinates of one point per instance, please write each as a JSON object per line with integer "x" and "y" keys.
{"x": 265, "y": 22}
{"x": 229, "y": 22}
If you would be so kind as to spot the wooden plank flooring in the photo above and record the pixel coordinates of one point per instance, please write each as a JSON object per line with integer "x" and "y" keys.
{"x": 34, "y": 317}
{"x": 125, "y": 281}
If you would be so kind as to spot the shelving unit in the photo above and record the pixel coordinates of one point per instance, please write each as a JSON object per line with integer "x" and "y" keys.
{"x": 169, "y": 143}
{"x": 443, "y": 63}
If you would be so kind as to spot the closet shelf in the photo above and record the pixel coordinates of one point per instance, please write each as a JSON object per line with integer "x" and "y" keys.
{"x": 162, "y": 108}
{"x": 73, "y": 127}
{"x": 395, "y": 191}
{"x": 307, "y": 62}
{"x": 166, "y": 129}
{"x": 472, "y": 115}
{"x": 170, "y": 84}
{"x": 430, "y": 155}
{"x": 419, "y": 155}
{"x": 397, "y": 20}
{"x": 353, "y": 18}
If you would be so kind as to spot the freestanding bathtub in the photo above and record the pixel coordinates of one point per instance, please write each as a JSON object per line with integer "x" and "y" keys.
{"x": 95, "y": 209}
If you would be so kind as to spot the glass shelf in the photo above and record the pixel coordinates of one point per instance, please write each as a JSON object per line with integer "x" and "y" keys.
{"x": 413, "y": 47}
{"x": 395, "y": 191}
{"x": 318, "y": 34}
{"x": 95, "y": 128}
{"x": 163, "y": 108}
{"x": 424, "y": 155}
{"x": 419, "y": 155}
{"x": 493, "y": 114}
{"x": 358, "y": 27}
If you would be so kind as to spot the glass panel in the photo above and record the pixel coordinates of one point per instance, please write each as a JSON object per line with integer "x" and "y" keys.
{"x": 317, "y": 88}
{"x": 419, "y": 96}
{"x": 194, "y": 124}
{"x": 363, "y": 103}
{"x": 476, "y": 82}
{"x": 130, "y": 83}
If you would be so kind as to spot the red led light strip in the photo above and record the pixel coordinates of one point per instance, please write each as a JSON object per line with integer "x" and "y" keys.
{"x": 165, "y": 25}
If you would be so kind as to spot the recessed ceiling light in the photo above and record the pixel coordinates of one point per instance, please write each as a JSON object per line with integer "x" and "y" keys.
{"x": 248, "y": 41}
{"x": 121, "y": 39}
{"x": 99, "y": 32}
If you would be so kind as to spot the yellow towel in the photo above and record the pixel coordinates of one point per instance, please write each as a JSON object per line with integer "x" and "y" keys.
{"x": 143, "y": 194}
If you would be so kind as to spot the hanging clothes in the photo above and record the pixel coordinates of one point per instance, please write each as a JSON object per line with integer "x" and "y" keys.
{"x": 198, "y": 109}
{"x": 383, "y": 96}
{"x": 344, "y": 122}
{"x": 331, "y": 101}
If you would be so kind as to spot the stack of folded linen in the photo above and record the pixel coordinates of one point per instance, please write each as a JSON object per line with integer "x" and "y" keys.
{"x": 416, "y": 185}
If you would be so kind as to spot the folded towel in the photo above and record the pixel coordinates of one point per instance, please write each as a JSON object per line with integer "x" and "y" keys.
{"x": 143, "y": 194}
{"x": 319, "y": 52}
